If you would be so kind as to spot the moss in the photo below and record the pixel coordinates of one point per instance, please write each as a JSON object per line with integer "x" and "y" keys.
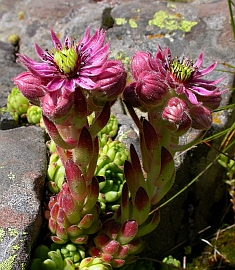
{"x": 8, "y": 263}
{"x": 171, "y": 22}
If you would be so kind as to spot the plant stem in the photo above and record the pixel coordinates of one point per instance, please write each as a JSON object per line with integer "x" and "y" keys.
{"x": 230, "y": 3}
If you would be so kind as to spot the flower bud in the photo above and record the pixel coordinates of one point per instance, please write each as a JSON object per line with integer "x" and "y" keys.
{"x": 56, "y": 106}
{"x": 151, "y": 88}
{"x": 110, "y": 84}
{"x": 31, "y": 86}
{"x": 142, "y": 61}
{"x": 176, "y": 113}
{"x": 201, "y": 117}
{"x": 130, "y": 96}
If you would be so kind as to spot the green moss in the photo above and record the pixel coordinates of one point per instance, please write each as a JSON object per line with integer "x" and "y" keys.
{"x": 171, "y": 22}
{"x": 8, "y": 263}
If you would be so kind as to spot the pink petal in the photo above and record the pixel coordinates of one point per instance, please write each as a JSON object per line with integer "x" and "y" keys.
{"x": 56, "y": 41}
{"x": 198, "y": 63}
{"x": 206, "y": 70}
{"x": 203, "y": 92}
{"x": 55, "y": 84}
{"x": 191, "y": 97}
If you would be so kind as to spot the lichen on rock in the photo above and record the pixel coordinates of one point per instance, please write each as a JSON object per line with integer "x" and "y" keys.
{"x": 171, "y": 22}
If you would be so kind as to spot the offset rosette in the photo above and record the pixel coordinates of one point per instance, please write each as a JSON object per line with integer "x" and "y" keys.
{"x": 115, "y": 243}
{"x": 34, "y": 114}
{"x": 17, "y": 104}
{"x": 58, "y": 257}
{"x": 55, "y": 173}
{"x": 110, "y": 165}
{"x": 73, "y": 212}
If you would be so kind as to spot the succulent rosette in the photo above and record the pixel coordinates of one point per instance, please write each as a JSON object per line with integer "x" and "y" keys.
{"x": 73, "y": 212}
{"x": 17, "y": 104}
{"x": 57, "y": 256}
{"x": 110, "y": 165}
{"x": 34, "y": 114}
{"x": 55, "y": 173}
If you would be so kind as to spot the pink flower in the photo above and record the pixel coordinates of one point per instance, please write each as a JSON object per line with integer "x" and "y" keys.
{"x": 71, "y": 64}
{"x": 187, "y": 80}
{"x": 156, "y": 79}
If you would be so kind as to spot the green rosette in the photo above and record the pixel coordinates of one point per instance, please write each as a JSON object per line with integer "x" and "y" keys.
{"x": 57, "y": 257}
{"x": 110, "y": 165}
{"x": 34, "y": 114}
{"x": 17, "y": 104}
{"x": 55, "y": 173}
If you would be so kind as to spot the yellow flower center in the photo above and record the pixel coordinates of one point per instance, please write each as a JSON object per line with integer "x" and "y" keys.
{"x": 182, "y": 71}
{"x": 66, "y": 59}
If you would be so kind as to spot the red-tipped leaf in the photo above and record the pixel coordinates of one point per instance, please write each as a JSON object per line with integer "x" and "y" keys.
{"x": 128, "y": 232}
{"x": 141, "y": 206}
{"x": 101, "y": 120}
{"x": 76, "y": 181}
{"x": 83, "y": 152}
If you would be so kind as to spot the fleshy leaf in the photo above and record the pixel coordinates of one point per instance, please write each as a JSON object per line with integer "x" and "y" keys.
{"x": 76, "y": 181}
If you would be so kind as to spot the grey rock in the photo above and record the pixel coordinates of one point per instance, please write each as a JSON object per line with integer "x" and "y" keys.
{"x": 22, "y": 174}
{"x": 6, "y": 121}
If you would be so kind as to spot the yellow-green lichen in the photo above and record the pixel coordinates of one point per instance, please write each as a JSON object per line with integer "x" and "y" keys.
{"x": 171, "y": 22}
{"x": 120, "y": 21}
{"x": 12, "y": 232}
{"x": 11, "y": 176}
{"x": 8, "y": 263}
{"x": 133, "y": 23}
{"x": 15, "y": 247}
{"x": 2, "y": 234}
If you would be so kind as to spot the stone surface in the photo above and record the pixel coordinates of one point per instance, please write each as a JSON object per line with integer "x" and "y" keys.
{"x": 189, "y": 29}
{"x": 22, "y": 173}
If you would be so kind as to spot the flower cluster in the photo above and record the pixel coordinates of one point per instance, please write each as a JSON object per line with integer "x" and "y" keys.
{"x": 173, "y": 90}
{"x": 75, "y": 85}
{"x": 71, "y": 67}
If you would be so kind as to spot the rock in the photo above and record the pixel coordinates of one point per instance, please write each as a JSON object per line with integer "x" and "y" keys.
{"x": 188, "y": 29}
{"x": 22, "y": 173}
{"x": 6, "y": 121}
{"x": 9, "y": 69}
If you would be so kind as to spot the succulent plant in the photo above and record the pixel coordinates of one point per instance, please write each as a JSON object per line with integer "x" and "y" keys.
{"x": 91, "y": 263}
{"x": 110, "y": 165}
{"x": 17, "y": 104}
{"x": 74, "y": 213}
{"x": 110, "y": 128}
{"x": 57, "y": 257}
{"x": 170, "y": 261}
{"x": 55, "y": 173}
{"x": 34, "y": 114}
